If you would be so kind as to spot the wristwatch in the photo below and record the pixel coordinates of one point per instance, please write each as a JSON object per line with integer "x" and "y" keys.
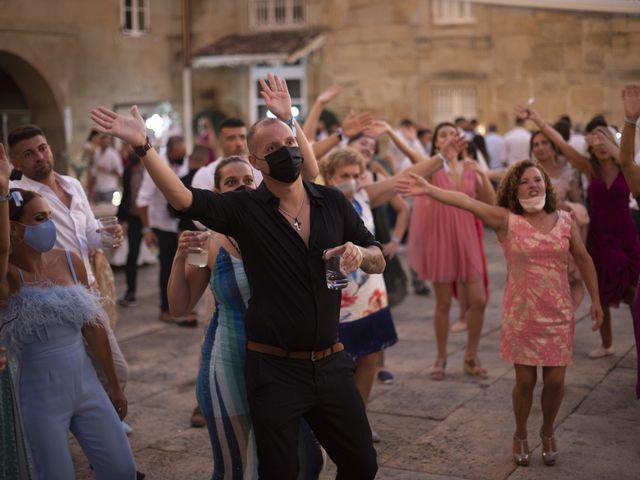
{"x": 340, "y": 134}
{"x": 141, "y": 150}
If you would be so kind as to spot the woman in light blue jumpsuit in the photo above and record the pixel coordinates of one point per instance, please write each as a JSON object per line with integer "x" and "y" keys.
{"x": 46, "y": 313}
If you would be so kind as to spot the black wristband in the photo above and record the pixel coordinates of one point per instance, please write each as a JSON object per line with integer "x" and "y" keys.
{"x": 141, "y": 150}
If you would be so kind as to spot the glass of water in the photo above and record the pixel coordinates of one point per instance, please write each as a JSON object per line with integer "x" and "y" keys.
{"x": 336, "y": 280}
{"x": 108, "y": 226}
{"x": 199, "y": 256}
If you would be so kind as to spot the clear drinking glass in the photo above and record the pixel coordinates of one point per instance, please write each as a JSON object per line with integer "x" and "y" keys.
{"x": 336, "y": 279}
{"x": 108, "y": 226}
{"x": 199, "y": 257}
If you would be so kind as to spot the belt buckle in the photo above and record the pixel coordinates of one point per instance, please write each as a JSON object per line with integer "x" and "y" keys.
{"x": 313, "y": 356}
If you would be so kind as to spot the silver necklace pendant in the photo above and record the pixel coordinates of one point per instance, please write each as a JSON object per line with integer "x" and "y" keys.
{"x": 297, "y": 224}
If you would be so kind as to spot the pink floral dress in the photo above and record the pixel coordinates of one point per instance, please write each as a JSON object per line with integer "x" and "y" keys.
{"x": 537, "y": 320}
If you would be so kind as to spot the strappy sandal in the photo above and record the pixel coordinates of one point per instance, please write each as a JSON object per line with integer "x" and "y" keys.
{"x": 472, "y": 368}
{"x": 437, "y": 370}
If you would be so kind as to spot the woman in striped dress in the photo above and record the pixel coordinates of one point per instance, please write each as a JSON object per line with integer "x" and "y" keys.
{"x": 220, "y": 386}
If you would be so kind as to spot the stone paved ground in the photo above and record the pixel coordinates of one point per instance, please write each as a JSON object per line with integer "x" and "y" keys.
{"x": 456, "y": 429}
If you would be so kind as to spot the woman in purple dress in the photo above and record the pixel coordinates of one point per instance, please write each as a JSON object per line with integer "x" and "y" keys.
{"x": 631, "y": 171}
{"x": 612, "y": 241}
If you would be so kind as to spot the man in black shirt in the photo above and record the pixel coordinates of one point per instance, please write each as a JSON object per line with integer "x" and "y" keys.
{"x": 295, "y": 365}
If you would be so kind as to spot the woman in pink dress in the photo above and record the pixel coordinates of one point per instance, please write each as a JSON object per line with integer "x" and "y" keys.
{"x": 537, "y": 322}
{"x": 444, "y": 248}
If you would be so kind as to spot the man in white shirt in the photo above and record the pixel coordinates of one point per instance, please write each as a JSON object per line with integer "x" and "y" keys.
{"x": 107, "y": 170}
{"x": 159, "y": 227}
{"x": 233, "y": 141}
{"x": 516, "y": 144}
{"x": 76, "y": 227}
{"x": 495, "y": 147}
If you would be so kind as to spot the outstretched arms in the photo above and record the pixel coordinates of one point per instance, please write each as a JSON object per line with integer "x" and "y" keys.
{"x": 132, "y": 130}
{"x": 496, "y": 217}
{"x": 311, "y": 122}
{"x": 577, "y": 160}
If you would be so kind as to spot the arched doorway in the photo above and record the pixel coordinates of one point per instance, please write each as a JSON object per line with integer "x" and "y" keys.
{"x": 28, "y": 98}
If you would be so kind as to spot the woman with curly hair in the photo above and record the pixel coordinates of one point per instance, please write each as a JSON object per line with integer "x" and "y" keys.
{"x": 612, "y": 240}
{"x": 537, "y": 321}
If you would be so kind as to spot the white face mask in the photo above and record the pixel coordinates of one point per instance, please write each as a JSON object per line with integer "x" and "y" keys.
{"x": 349, "y": 188}
{"x": 534, "y": 204}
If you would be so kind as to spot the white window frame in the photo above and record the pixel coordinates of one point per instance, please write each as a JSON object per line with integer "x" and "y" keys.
{"x": 258, "y": 21}
{"x": 287, "y": 72}
{"x": 136, "y": 29}
{"x": 449, "y": 102}
{"x": 452, "y": 12}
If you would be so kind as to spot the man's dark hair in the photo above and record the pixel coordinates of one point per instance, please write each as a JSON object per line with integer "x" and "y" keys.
{"x": 493, "y": 128}
{"x": 566, "y": 118}
{"x": 23, "y": 132}
{"x": 93, "y": 133}
{"x": 459, "y": 120}
{"x": 173, "y": 141}
{"x": 563, "y": 129}
{"x": 405, "y": 122}
{"x": 595, "y": 122}
{"x": 519, "y": 121}
{"x": 231, "y": 122}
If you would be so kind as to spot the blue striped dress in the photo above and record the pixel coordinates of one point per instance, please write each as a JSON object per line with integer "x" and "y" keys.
{"x": 221, "y": 387}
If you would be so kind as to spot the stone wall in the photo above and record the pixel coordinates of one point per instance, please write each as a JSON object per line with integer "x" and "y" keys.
{"x": 79, "y": 51}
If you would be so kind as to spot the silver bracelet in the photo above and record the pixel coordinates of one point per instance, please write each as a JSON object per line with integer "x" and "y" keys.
{"x": 631, "y": 121}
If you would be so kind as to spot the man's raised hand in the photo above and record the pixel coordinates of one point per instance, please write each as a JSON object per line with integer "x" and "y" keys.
{"x": 130, "y": 130}
{"x": 276, "y": 96}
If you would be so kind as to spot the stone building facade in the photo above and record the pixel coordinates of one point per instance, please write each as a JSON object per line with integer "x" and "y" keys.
{"x": 423, "y": 59}
{"x": 428, "y": 61}
{"x": 59, "y": 59}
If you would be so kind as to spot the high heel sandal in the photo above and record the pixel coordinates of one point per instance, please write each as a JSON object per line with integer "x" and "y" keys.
{"x": 437, "y": 370}
{"x": 549, "y": 457}
{"x": 472, "y": 367}
{"x": 521, "y": 457}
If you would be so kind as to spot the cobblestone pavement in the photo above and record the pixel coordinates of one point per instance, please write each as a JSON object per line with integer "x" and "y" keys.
{"x": 459, "y": 428}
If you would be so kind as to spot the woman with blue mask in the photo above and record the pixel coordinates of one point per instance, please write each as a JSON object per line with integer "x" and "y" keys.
{"x": 50, "y": 386}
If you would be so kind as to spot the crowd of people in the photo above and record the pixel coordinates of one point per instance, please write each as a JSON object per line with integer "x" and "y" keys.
{"x": 290, "y": 354}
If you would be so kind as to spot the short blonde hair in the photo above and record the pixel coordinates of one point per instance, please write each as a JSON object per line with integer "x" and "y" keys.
{"x": 339, "y": 157}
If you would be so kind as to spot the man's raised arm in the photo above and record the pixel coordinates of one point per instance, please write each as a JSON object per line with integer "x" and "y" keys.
{"x": 132, "y": 130}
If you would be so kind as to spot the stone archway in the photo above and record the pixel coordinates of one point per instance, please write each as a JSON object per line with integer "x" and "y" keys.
{"x": 30, "y": 98}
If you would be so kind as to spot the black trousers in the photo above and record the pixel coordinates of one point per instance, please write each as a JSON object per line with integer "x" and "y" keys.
{"x": 167, "y": 245}
{"x": 281, "y": 391}
{"x": 134, "y": 238}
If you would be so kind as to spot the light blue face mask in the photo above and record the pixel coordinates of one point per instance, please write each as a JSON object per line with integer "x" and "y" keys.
{"x": 40, "y": 237}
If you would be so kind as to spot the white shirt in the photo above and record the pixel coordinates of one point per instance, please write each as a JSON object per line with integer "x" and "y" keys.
{"x": 108, "y": 159}
{"x": 495, "y": 148}
{"x": 516, "y": 145}
{"x": 150, "y": 196}
{"x": 578, "y": 142}
{"x": 76, "y": 227}
{"x": 205, "y": 175}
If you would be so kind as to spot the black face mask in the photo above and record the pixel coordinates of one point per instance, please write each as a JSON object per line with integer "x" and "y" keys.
{"x": 285, "y": 164}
